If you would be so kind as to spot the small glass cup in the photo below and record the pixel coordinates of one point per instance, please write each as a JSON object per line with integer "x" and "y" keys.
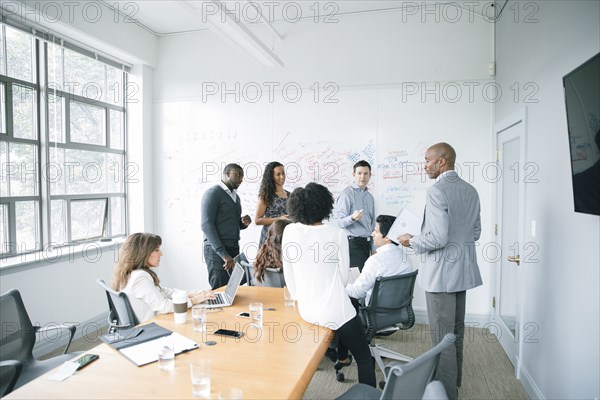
{"x": 231, "y": 393}
{"x": 166, "y": 355}
{"x": 200, "y": 376}
{"x": 199, "y": 317}
{"x": 288, "y": 301}
{"x": 256, "y": 314}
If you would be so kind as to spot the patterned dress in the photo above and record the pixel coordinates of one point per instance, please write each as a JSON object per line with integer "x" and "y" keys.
{"x": 274, "y": 210}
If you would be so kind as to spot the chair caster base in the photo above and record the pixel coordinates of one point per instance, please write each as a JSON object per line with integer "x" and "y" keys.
{"x": 339, "y": 376}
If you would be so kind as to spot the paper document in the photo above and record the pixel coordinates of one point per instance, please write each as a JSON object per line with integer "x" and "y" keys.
{"x": 354, "y": 273}
{"x": 406, "y": 222}
{"x": 147, "y": 352}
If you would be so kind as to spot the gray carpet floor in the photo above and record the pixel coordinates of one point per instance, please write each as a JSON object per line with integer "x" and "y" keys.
{"x": 487, "y": 372}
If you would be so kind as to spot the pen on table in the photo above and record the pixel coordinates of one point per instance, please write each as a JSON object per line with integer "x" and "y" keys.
{"x": 269, "y": 309}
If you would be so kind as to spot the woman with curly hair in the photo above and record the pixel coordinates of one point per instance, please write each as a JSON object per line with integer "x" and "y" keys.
{"x": 134, "y": 276}
{"x": 269, "y": 255}
{"x": 272, "y": 198}
{"x": 316, "y": 266}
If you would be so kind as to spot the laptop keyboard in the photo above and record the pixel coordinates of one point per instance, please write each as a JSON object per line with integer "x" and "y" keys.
{"x": 218, "y": 300}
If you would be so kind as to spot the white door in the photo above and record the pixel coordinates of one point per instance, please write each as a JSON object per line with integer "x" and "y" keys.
{"x": 510, "y": 139}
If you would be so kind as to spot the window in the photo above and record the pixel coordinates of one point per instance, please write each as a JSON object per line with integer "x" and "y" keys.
{"x": 62, "y": 144}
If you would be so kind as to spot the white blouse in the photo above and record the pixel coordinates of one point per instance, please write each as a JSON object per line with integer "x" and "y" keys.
{"x": 147, "y": 299}
{"x": 316, "y": 266}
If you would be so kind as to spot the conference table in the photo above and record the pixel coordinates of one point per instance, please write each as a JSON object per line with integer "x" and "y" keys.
{"x": 275, "y": 362}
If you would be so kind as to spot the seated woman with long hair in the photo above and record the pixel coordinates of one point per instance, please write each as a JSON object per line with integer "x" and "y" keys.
{"x": 316, "y": 265}
{"x": 269, "y": 255}
{"x": 134, "y": 276}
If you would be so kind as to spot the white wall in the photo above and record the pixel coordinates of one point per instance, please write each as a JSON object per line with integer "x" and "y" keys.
{"x": 61, "y": 290}
{"x": 376, "y": 61}
{"x": 562, "y": 290}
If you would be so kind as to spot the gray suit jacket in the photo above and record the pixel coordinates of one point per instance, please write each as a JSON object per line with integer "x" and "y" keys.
{"x": 448, "y": 234}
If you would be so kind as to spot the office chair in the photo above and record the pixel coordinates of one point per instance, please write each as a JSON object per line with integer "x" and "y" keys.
{"x": 249, "y": 273}
{"x": 17, "y": 364}
{"x": 406, "y": 381}
{"x": 390, "y": 308}
{"x": 435, "y": 391}
{"x": 121, "y": 315}
{"x": 273, "y": 278}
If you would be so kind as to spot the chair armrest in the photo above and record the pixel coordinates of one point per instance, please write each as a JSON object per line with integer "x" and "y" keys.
{"x": 70, "y": 328}
{"x": 15, "y": 366}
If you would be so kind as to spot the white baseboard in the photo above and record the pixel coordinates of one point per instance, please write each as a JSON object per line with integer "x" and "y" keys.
{"x": 472, "y": 320}
{"x": 533, "y": 391}
{"x": 58, "y": 338}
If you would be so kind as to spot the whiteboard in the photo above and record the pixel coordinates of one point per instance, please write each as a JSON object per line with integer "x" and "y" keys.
{"x": 316, "y": 141}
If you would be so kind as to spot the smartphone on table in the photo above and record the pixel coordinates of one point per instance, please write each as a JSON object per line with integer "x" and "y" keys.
{"x": 86, "y": 359}
{"x": 230, "y": 333}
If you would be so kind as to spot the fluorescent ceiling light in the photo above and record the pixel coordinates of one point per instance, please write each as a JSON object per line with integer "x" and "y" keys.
{"x": 235, "y": 33}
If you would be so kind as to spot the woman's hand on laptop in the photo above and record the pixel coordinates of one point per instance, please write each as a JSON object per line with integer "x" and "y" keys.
{"x": 199, "y": 297}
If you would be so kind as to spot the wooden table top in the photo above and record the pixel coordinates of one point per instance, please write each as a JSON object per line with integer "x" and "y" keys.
{"x": 275, "y": 363}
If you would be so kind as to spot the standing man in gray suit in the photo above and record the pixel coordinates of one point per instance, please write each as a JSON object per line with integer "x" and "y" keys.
{"x": 221, "y": 223}
{"x": 447, "y": 240}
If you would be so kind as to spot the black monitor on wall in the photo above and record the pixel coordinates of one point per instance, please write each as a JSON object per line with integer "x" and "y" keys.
{"x": 582, "y": 99}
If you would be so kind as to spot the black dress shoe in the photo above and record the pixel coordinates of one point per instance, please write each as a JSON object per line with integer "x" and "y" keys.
{"x": 331, "y": 354}
{"x": 339, "y": 365}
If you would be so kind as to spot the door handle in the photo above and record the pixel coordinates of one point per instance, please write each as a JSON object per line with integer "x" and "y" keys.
{"x": 515, "y": 259}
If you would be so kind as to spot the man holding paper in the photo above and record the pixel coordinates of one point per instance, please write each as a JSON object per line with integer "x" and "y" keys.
{"x": 354, "y": 212}
{"x": 389, "y": 260}
{"x": 447, "y": 240}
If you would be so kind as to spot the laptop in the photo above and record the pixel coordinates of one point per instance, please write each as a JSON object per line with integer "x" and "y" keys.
{"x": 225, "y": 299}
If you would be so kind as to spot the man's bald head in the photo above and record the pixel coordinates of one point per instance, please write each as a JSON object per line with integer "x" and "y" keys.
{"x": 439, "y": 158}
{"x": 446, "y": 151}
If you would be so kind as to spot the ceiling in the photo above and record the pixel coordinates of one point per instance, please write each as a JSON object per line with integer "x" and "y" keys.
{"x": 168, "y": 17}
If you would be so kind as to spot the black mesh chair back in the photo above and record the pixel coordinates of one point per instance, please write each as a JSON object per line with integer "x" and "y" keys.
{"x": 390, "y": 304}
{"x": 121, "y": 314}
{"x": 18, "y": 334}
{"x": 273, "y": 278}
{"x": 17, "y": 339}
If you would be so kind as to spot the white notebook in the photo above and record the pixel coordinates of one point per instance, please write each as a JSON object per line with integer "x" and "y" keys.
{"x": 147, "y": 352}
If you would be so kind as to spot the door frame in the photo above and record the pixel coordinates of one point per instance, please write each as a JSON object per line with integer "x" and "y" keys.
{"x": 502, "y": 331}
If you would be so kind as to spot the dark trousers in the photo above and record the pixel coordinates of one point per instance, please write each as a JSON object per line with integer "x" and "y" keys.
{"x": 360, "y": 250}
{"x": 446, "y": 312}
{"x": 217, "y": 275}
{"x": 351, "y": 336}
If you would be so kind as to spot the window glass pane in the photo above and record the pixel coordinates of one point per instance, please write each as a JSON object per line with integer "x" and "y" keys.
{"x": 84, "y": 76}
{"x": 114, "y": 93}
{"x": 22, "y": 169}
{"x": 87, "y": 218}
{"x": 4, "y": 247}
{"x": 114, "y": 173}
{"x": 116, "y": 129}
{"x": 27, "y": 223}
{"x": 3, "y": 170}
{"x": 87, "y": 124}
{"x": 2, "y": 49}
{"x": 55, "y": 69}
{"x": 19, "y": 51}
{"x": 56, "y": 171}
{"x": 2, "y": 109}
{"x": 84, "y": 172}
{"x": 55, "y": 119}
{"x": 117, "y": 215}
{"x": 58, "y": 222}
{"x": 23, "y": 112}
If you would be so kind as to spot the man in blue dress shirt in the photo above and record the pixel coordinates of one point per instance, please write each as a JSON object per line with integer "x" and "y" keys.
{"x": 355, "y": 213}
